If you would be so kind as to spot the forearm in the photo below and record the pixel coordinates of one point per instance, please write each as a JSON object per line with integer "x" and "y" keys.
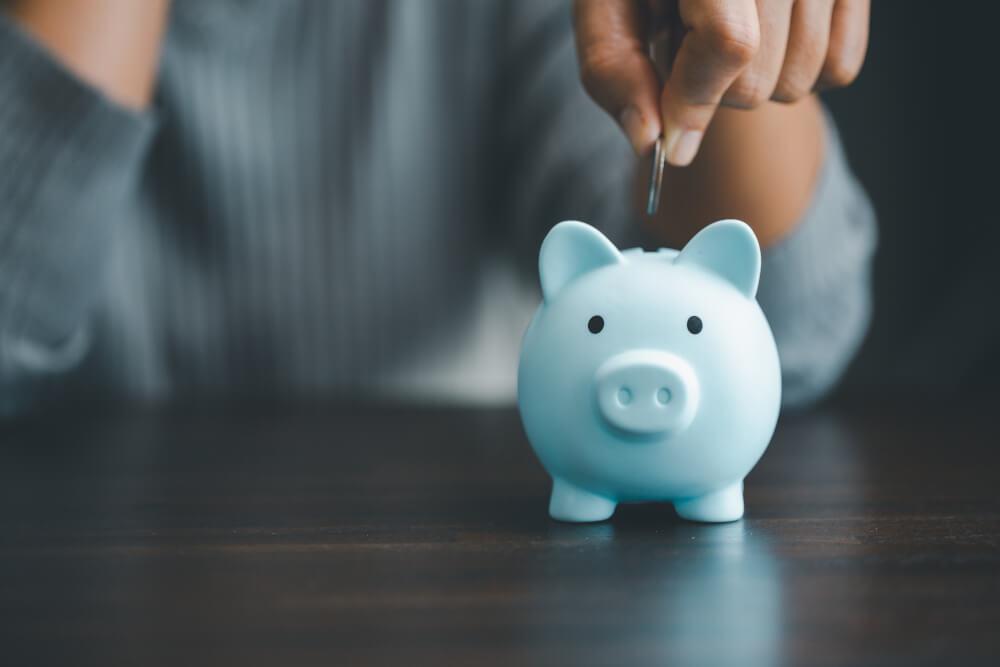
{"x": 815, "y": 285}
{"x": 113, "y": 45}
{"x": 759, "y": 166}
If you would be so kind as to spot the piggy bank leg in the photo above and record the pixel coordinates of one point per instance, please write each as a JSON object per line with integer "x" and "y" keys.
{"x": 716, "y": 507}
{"x": 571, "y": 503}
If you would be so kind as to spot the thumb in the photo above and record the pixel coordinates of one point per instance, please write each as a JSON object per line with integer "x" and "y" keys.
{"x": 615, "y": 68}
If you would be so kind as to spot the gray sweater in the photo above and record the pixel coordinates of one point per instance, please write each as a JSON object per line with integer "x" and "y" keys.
{"x": 338, "y": 198}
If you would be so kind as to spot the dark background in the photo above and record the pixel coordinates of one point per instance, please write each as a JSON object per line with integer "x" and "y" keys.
{"x": 919, "y": 126}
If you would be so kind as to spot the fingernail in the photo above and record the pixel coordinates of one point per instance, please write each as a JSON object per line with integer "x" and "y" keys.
{"x": 640, "y": 133}
{"x": 682, "y": 146}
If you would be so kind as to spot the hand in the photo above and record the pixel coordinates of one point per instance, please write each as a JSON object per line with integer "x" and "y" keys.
{"x": 738, "y": 53}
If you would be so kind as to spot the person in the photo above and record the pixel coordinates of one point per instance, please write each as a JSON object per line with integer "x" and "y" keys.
{"x": 308, "y": 199}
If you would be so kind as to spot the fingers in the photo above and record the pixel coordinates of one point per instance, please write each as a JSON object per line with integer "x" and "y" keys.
{"x": 722, "y": 39}
{"x": 848, "y": 43}
{"x": 615, "y": 66}
{"x": 805, "y": 45}
{"x": 808, "y": 43}
{"x": 757, "y": 82}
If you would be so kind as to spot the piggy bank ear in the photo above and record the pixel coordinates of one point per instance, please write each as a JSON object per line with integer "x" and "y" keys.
{"x": 729, "y": 249}
{"x": 569, "y": 250}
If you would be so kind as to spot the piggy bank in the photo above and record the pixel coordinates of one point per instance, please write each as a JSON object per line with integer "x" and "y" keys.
{"x": 649, "y": 376}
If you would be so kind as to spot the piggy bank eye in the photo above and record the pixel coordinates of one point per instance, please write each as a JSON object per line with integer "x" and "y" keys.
{"x": 596, "y": 324}
{"x": 694, "y": 324}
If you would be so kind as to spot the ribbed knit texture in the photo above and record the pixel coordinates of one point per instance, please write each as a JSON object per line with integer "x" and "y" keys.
{"x": 332, "y": 198}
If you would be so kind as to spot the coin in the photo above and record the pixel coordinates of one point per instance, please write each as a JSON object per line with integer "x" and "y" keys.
{"x": 655, "y": 178}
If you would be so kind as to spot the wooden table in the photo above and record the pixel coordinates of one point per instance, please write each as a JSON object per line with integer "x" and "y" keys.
{"x": 349, "y": 535}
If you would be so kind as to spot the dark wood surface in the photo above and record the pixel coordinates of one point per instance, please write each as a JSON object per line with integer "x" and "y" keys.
{"x": 351, "y": 535}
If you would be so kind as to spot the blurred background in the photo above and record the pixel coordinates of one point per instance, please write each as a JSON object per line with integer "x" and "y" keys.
{"x": 920, "y": 135}
{"x": 917, "y": 134}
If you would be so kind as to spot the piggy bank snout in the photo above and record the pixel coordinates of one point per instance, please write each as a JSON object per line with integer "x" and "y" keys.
{"x": 647, "y": 392}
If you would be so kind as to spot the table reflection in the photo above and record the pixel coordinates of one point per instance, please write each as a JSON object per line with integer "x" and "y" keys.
{"x": 649, "y": 586}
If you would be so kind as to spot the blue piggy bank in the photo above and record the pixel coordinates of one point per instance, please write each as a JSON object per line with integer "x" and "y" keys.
{"x": 649, "y": 376}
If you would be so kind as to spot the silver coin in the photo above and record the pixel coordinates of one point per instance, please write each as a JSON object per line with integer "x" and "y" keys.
{"x": 655, "y": 178}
